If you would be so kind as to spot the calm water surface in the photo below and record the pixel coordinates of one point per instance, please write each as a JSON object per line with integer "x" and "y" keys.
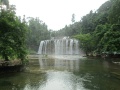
{"x": 63, "y": 74}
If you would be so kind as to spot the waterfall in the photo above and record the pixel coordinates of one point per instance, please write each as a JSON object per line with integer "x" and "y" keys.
{"x": 59, "y": 47}
{"x": 66, "y": 47}
{"x": 71, "y": 46}
{"x": 40, "y": 50}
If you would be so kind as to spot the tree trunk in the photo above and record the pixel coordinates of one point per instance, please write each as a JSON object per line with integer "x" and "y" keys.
{"x": 5, "y": 57}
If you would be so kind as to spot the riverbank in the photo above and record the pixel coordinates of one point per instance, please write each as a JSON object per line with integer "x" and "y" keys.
{"x": 11, "y": 66}
{"x": 6, "y": 69}
{"x": 115, "y": 57}
{"x": 16, "y": 65}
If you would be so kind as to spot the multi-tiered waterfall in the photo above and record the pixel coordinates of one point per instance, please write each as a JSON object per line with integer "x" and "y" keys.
{"x": 63, "y": 46}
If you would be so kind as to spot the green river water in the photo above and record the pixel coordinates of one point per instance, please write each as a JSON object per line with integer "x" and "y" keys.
{"x": 64, "y": 74}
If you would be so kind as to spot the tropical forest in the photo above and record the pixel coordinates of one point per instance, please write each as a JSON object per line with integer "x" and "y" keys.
{"x": 84, "y": 55}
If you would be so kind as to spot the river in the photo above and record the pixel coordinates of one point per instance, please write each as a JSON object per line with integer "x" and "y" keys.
{"x": 63, "y": 74}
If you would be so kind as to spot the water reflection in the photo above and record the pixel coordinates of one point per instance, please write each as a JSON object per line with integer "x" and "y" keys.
{"x": 62, "y": 74}
{"x": 21, "y": 81}
{"x": 55, "y": 64}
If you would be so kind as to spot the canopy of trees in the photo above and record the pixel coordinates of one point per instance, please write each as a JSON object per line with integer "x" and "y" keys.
{"x": 18, "y": 36}
{"x": 12, "y": 36}
{"x": 37, "y": 31}
{"x": 97, "y": 31}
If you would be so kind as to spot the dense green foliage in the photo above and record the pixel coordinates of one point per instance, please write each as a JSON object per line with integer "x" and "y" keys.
{"x": 99, "y": 31}
{"x": 16, "y": 35}
{"x": 110, "y": 42}
{"x": 12, "y": 36}
{"x": 86, "y": 42}
{"x": 114, "y": 15}
{"x": 37, "y": 31}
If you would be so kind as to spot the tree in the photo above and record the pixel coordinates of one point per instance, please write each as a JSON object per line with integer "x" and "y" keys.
{"x": 111, "y": 40}
{"x": 98, "y": 35}
{"x": 73, "y": 18}
{"x": 105, "y": 7}
{"x": 97, "y": 31}
{"x": 88, "y": 23}
{"x": 86, "y": 42}
{"x": 12, "y": 36}
{"x": 114, "y": 15}
{"x": 37, "y": 32}
{"x": 5, "y": 2}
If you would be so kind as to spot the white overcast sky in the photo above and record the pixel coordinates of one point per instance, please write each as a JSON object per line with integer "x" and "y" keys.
{"x": 56, "y": 13}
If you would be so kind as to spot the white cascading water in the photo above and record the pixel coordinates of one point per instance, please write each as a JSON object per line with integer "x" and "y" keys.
{"x": 71, "y": 46}
{"x": 40, "y": 50}
{"x": 59, "y": 47}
